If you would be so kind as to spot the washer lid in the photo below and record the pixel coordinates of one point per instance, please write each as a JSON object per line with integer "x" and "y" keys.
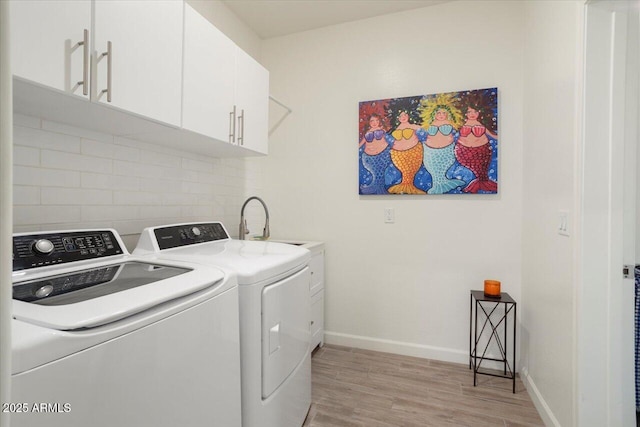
{"x": 103, "y": 294}
{"x": 252, "y": 261}
{"x": 209, "y": 243}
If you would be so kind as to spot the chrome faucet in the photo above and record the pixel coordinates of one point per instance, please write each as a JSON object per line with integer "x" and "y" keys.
{"x": 243, "y": 222}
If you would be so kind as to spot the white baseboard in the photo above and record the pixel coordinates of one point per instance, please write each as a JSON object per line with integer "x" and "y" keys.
{"x": 539, "y": 402}
{"x": 397, "y": 347}
{"x": 406, "y": 349}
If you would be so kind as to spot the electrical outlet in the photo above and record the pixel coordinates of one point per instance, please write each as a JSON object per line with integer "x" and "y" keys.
{"x": 389, "y": 215}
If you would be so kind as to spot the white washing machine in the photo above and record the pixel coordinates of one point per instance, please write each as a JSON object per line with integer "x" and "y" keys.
{"x": 103, "y": 339}
{"x": 275, "y": 314}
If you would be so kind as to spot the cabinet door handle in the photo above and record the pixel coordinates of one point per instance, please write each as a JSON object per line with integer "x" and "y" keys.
{"x": 109, "y": 55}
{"x": 232, "y": 126}
{"x": 241, "y": 128}
{"x": 85, "y": 63}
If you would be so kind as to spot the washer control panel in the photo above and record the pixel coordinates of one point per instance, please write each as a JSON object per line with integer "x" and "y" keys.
{"x": 44, "y": 290}
{"x": 189, "y": 234}
{"x": 39, "y": 250}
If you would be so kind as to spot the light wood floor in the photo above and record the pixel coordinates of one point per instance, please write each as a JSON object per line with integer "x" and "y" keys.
{"x": 362, "y": 388}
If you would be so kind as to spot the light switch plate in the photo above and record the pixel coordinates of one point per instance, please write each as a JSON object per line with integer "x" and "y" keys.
{"x": 563, "y": 223}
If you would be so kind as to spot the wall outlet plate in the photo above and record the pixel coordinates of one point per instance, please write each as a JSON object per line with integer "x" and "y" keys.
{"x": 389, "y": 215}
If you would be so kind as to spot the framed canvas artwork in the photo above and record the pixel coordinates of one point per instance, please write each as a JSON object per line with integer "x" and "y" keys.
{"x": 445, "y": 143}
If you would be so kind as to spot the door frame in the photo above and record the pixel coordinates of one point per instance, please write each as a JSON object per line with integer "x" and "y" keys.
{"x": 604, "y": 318}
{"x": 6, "y": 209}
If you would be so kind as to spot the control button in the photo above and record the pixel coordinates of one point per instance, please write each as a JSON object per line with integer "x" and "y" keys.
{"x": 196, "y": 231}
{"x": 44, "y": 291}
{"x": 43, "y": 247}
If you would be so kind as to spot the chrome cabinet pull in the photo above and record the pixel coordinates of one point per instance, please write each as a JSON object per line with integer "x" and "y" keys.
{"x": 109, "y": 55}
{"x": 241, "y": 128}
{"x": 85, "y": 63}
{"x": 232, "y": 126}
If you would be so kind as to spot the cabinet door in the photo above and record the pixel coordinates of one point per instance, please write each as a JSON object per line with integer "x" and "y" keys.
{"x": 146, "y": 56}
{"x": 317, "y": 272}
{"x": 252, "y": 100}
{"x": 44, "y": 42}
{"x": 209, "y": 75}
{"x": 317, "y": 319}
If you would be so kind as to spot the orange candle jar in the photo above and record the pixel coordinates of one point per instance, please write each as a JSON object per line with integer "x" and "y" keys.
{"x": 492, "y": 288}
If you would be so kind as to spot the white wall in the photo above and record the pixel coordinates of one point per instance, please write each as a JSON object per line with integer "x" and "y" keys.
{"x": 550, "y": 132}
{"x": 400, "y": 287}
{"x": 226, "y": 21}
{"x": 67, "y": 177}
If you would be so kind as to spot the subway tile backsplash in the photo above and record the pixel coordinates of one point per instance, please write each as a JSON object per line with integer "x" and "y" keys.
{"x": 67, "y": 177}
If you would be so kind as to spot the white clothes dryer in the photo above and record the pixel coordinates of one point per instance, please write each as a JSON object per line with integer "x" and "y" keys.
{"x": 275, "y": 314}
{"x": 103, "y": 339}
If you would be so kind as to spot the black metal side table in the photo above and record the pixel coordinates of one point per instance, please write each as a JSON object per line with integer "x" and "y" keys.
{"x": 496, "y": 329}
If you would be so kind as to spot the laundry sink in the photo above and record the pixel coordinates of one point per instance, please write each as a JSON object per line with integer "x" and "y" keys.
{"x": 287, "y": 242}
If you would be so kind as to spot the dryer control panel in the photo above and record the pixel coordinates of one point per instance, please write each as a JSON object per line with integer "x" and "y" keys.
{"x": 39, "y": 250}
{"x": 189, "y": 234}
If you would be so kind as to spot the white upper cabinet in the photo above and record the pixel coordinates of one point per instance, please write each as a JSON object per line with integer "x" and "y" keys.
{"x": 142, "y": 43}
{"x": 225, "y": 92}
{"x": 209, "y": 78}
{"x": 153, "y": 70}
{"x": 45, "y": 45}
{"x": 252, "y": 100}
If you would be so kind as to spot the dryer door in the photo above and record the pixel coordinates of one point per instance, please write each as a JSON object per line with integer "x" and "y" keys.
{"x": 286, "y": 316}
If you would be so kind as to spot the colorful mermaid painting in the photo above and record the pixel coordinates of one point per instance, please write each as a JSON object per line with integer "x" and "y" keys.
{"x": 433, "y": 144}
{"x": 375, "y": 156}
{"x": 473, "y": 150}
{"x": 441, "y": 119}
{"x": 406, "y": 151}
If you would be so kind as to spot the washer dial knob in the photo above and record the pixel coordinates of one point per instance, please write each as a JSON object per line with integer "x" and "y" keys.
{"x": 43, "y": 247}
{"x": 196, "y": 231}
{"x": 44, "y": 291}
